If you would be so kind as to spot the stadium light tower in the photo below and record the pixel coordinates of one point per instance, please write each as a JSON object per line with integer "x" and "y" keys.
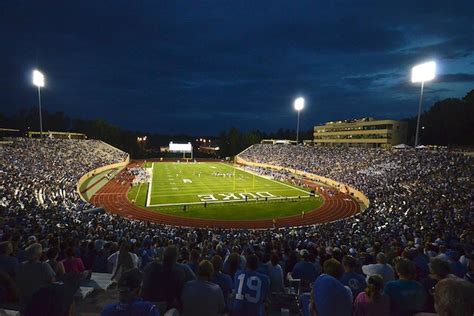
{"x": 421, "y": 73}
{"x": 38, "y": 80}
{"x": 299, "y": 105}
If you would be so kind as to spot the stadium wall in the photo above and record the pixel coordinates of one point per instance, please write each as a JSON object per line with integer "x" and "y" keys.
{"x": 119, "y": 165}
{"x": 358, "y": 195}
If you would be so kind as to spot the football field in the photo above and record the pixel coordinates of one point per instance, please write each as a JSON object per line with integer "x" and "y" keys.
{"x": 196, "y": 183}
{"x": 219, "y": 190}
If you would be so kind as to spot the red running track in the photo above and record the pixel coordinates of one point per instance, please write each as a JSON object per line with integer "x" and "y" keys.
{"x": 113, "y": 198}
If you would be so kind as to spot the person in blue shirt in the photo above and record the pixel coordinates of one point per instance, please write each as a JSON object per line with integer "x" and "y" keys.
{"x": 147, "y": 253}
{"x": 304, "y": 270}
{"x": 202, "y": 297}
{"x": 223, "y": 280}
{"x": 251, "y": 289}
{"x": 350, "y": 278}
{"x": 164, "y": 282}
{"x": 130, "y": 303}
{"x": 194, "y": 262}
{"x": 329, "y": 296}
{"x": 407, "y": 295}
{"x": 457, "y": 268}
{"x": 262, "y": 265}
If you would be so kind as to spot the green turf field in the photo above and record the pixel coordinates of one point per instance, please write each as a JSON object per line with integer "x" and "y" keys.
{"x": 219, "y": 191}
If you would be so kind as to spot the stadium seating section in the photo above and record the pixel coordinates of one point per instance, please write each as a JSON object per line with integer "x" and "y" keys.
{"x": 417, "y": 234}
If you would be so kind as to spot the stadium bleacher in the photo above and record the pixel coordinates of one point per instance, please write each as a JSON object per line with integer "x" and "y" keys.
{"x": 418, "y": 225}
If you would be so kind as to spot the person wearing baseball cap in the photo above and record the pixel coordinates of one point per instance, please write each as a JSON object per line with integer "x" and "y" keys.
{"x": 130, "y": 303}
{"x": 304, "y": 270}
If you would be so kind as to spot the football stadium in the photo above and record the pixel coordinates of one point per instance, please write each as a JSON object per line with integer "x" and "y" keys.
{"x": 150, "y": 164}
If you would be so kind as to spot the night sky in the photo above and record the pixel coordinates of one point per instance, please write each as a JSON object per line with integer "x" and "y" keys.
{"x": 201, "y": 67}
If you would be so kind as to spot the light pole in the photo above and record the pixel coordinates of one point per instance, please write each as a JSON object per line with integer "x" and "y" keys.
{"x": 38, "y": 80}
{"x": 299, "y": 105}
{"x": 421, "y": 73}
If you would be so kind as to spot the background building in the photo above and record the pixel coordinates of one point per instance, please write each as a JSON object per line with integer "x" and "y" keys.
{"x": 365, "y": 132}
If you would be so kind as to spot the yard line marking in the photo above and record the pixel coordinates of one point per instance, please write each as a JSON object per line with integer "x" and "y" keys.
{"x": 150, "y": 185}
{"x": 232, "y": 201}
{"x": 194, "y": 193}
{"x": 272, "y": 180}
{"x": 138, "y": 192}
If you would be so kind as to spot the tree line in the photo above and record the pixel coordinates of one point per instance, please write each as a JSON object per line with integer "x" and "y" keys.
{"x": 448, "y": 122}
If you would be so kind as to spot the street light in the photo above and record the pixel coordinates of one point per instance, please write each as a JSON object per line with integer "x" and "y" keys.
{"x": 421, "y": 73}
{"x": 38, "y": 80}
{"x": 299, "y": 105}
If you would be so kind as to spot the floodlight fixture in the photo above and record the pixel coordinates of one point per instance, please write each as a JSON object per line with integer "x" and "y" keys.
{"x": 38, "y": 78}
{"x": 423, "y": 72}
{"x": 38, "y": 81}
{"x": 299, "y": 104}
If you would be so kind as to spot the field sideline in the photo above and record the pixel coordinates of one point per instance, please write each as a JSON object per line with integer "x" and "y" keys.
{"x": 219, "y": 190}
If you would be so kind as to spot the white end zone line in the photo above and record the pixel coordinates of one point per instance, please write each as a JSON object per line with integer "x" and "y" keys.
{"x": 148, "y": 195}
{"x": 268, "y": 178}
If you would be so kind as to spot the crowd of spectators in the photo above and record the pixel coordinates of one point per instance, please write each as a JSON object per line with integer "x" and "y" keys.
{"x": 410, "y": 251}
{"x": 140, "y": 175}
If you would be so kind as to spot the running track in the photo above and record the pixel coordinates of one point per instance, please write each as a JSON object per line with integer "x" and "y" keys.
{"x": 113, "y": 198}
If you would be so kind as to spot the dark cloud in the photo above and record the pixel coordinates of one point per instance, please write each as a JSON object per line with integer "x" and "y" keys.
{"x": 459, "y": 77}
{"x": 203, "y": 66}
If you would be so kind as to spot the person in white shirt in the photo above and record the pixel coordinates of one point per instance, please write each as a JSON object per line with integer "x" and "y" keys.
{"x": 381, "y": 268}
{"x": 122, "y": 260}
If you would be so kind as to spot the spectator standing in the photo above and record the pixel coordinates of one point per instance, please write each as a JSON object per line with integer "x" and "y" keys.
{"x": 355, "y": 281}
{"x": 373, "y": 301}
{"x": 32, "y": 274}
{"x": 8, "y": 289}
{"x": 251, "y": 290}
{"x": 407, "y": 295}
{"x": 7, "y": 263}
{"x": 456, "y": 267}
{"x": 89, "y": 255}
{"x": 57, "y": 266}
{"x": 439, "y": 269}
{"x": 147, "y": 253}
{"x": 223, "y": 280}
{"x": 276, "y": 274}
{"x": 201, "y": 297}
{"x": 129, "y": 301}
{"x": 330, "y": 296}
{"x": 454, "y": 296}
{"x": 164, "y": 282}
{"x": 380, "y": 268}
{"x": 304, "y": 270}
{"x": 71, "y": 263}
{"x": 194, "y": 263}
{"x": 122, "y": 260}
